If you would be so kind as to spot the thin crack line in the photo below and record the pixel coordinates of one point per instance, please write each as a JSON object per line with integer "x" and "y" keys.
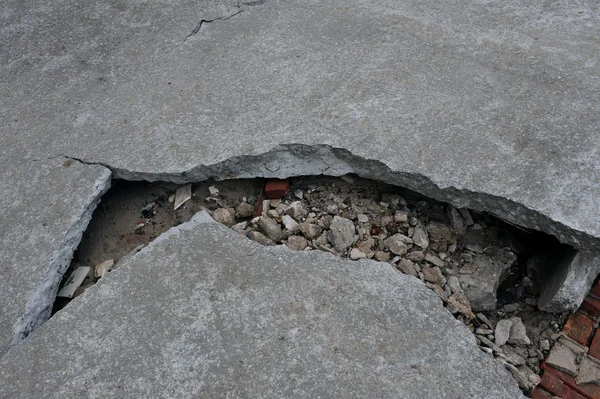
{"x": 207, "y": 21}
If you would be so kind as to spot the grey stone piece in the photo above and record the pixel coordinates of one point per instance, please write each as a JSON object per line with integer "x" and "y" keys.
{"x": 481, "y": 284}
{"x": 518, "y": 332}
{"x": 589, "y": 371}
{"x": 244, "y": 210}
{"x": 45, "y": 207}
{"x": 397, "y": 244}
{"x": 297, "y": 243}
{"x": 225, "y": 216}
{"x": 407, "y": 267}
{"x": 260, "y": 238}
{"x": 420, "y": 237}
{"x": 232, "y": 318}
{"x": 310, "y": 230}
{"x": 341, "y": 233}
{"x": 270, "y": 228}
{"x": 567, "y": 282}
{"x": 502, "y": 332}
{"x": 562, "y": 358}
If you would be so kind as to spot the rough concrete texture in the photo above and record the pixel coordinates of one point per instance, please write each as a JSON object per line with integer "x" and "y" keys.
{"x": 566, "y": 285}
{"x": 45, "y": 206}
{"x": 205, "y": 312}
{"x": 488, "y": 105}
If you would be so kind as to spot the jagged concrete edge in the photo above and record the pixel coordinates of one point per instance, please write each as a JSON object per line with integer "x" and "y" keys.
{"x": 292, "y": 160}
{"x": 39, "y": 305}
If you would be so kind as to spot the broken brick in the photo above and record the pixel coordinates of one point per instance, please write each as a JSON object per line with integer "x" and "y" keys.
{"x": 276, "y": 189}
{"x": 595, "y": 346}
{"x": 539, "y": 394}
{"x": 587, "y": 391}
{"x": 591, "y": 306}
{"x": 552, "y": 383}
{"x": 579, "y": 326}
{"x": 596, "y": 289}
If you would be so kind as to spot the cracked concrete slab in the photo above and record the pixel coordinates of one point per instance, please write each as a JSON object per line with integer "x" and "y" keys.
{"x": 237, "y": 319}
{"x": 45, "y": 206}
{"x": 487, "y": 105}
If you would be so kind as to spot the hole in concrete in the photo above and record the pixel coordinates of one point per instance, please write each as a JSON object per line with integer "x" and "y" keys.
{"x": 477, "y": 250}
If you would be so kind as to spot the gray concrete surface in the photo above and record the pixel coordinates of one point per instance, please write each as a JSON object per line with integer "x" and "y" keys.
{"x": 487, "y": 105}
{"x": 204, "y": 312}
{"x": 490, "y": 105}
{"x": 45, "y": 206}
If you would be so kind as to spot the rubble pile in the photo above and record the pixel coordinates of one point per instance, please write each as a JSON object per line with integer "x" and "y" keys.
{"x": 476, "y": 265}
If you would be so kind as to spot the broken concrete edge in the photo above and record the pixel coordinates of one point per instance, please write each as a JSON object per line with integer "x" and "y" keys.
{"x": 40, "y": 303}
{"x": 568, "y": 283}
{"x": 293, "y": 160}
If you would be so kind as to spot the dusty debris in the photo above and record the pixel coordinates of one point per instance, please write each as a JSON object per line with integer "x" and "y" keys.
{"x": 103, "y": 268}
{"x": 182, "y": 195}
{"x": 73, "y": 282}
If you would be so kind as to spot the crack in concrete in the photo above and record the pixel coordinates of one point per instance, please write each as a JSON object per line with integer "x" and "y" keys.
{"x": 292, "y": 160}
{"x": 207, "y": 21}
{"x": 39, "y": 305}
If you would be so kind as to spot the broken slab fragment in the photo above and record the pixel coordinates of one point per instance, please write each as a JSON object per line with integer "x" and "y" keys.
{"x": 233, "y": 318}
{"x": 481, "y": 278}
{"x": 45, "y": 206}
{"x": 566, "y": 281}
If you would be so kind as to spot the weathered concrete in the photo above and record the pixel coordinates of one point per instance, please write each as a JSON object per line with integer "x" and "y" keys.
{"x": 567, "y": 280}
{"x": 205, "y": 312}
{"x": 486, "y": 105}
{"x": 45, "y": 206}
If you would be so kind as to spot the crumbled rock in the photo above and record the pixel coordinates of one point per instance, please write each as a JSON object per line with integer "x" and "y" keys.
{"x": 458, "y": 303}
{"x": 332, "y": 209}
{"x": 270, "y": 228}
{"x": 244, "y": 210}
{"x": 400, "y": 217}
{"x": 454, "y": 284}
{"x": 420, "y": 236}
{"x": 357, "y": 254}
{"x": 416, "y": 256}
{"x": 225, "y": 216}
{"x": 396, "y": 244}
{"x": 290, "y": 224}
{"x": 562, "y": 358}
{"x": 240, "y": 228}
{"x": 310, "y": 231}
{"x": 589, "y": 371}
{"x": 518, "y": 333}
{"x": 297, "y": 243}
{"x": 502, "y": 332}
{"x": 362, "y": 218}
{"x": 103, "y": 268}
{"x": 481, "y": 282}
{"x": 366, "y": 244}
{"x": 296, "y": 210}
{"x": 434, "y": 260}
{"x": 341, "y": 234}
{"x": 458, "y": 224}
{"x": 259, "y": 238}
{"x": 433, "y": 275}
{"x": 382, "y": 256}
{"x": 407, "y": 267}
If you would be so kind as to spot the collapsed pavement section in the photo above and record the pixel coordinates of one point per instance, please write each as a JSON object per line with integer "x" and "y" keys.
{"x": 205, "y": 312}
{"x": 45, "y": 207}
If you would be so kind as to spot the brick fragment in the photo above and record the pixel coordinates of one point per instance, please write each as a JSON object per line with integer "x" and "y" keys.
{"x": 591, "y": 306}
{"x": 595, "y": 345}
{"x": 579, "y": 327}
{"x": 540, "y": 394}
{"x": 596, "y": 289}
{"x": 589, "y": 391}
{"x": 276, "y": 189}
{"x": 555, "y": 386}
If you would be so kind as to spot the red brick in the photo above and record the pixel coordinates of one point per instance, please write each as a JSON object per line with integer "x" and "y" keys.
{"x": 589, "y": 391}
{"x": 591, "y": 306}
{"x": 539, "y": 394}
{"x": 596, "y": 289}
{"x": 579, "y": 326}
{"x": 555, "y": 386}
{"x": 595, "y": 345}
{"x": 276, "y": 189}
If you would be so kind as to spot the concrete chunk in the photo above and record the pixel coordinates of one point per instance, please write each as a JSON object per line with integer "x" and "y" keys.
{"x": 567, "y": 282}
{"x": 233, "y": 318}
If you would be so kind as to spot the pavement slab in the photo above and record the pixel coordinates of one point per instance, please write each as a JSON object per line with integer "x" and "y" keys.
{"x": 205, "y": 312}
{"x": 45, "y": 207}
{"x": 487, "y": 105}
